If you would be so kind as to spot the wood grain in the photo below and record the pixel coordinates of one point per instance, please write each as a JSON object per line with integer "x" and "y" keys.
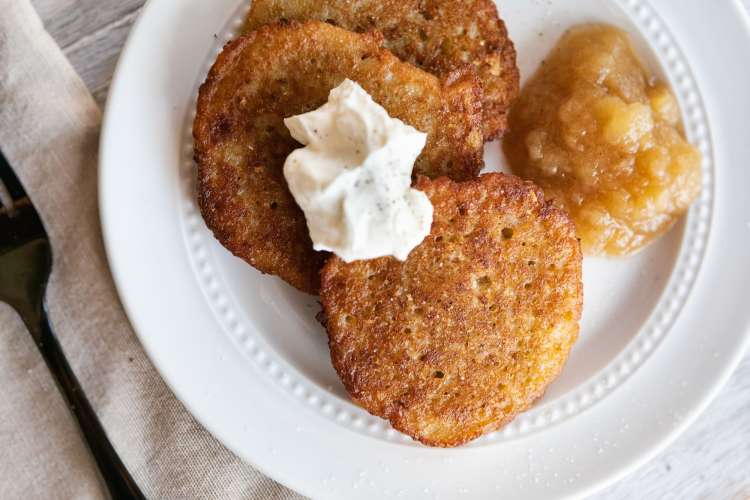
{"x": 91, "y": 33}
{"x": 710, "y": 461}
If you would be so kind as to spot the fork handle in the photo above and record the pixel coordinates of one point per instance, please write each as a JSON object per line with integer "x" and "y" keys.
{"x": 118, "y": 480}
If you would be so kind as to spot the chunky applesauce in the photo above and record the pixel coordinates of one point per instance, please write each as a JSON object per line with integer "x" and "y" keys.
{"x": 603, "y": 138}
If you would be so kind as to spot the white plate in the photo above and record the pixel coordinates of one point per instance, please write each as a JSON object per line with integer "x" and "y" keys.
{"x": 661, "y": 331}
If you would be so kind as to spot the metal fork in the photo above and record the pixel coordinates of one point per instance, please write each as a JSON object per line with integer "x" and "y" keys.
{"x": 25, "y": 266}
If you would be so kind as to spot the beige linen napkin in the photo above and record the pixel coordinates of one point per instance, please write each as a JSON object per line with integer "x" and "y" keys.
{"x": 49, "y": 127}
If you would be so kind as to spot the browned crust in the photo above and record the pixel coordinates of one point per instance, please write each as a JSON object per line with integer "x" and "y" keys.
{"x": 283, "y": 70}
{"x": 439, "y": 36}
{"x": 471, "y": 329}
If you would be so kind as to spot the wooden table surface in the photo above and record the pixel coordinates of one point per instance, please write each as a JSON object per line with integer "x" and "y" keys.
{"x": 711, "y": 460}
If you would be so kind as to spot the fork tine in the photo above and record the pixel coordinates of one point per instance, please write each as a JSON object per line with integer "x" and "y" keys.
{"x": 19, "y": 220}
{"x": 21, "y": 226}
{"x": 12, "y": 184}
{"x": 6, "y": 200}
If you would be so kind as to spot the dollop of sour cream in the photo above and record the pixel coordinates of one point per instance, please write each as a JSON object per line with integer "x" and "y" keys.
{"x": 353, "y": 177}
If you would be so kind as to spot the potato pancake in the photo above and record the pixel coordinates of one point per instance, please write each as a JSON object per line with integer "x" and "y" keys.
{"x": 473, "y": 326}
{"x": 438, "y": 36}
{"x": 241, "y": 142}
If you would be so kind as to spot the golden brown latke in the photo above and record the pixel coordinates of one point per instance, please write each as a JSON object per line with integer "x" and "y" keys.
{"x": 241, "y": 142}
{"x": 470, "y": 330}
{"x": 439, "y": 36}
